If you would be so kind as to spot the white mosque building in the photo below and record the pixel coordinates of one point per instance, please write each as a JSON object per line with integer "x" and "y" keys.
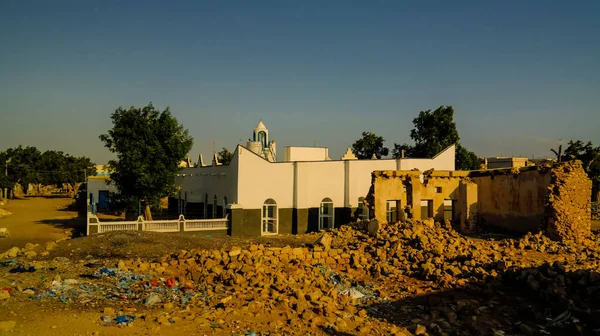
{"x": 306, "y": 191}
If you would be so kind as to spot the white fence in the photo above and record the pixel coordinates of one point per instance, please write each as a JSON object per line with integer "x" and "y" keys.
{"x": 94, "y": 225}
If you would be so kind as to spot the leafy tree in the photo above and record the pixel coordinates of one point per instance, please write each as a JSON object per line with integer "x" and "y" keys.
{"x": 225, "y": 156}
{"x": 435, "y": 131}
{"x": 369, "y": 144}
{"x": 29, "y": 166}
{"x": 149, "y": 145}
{"x": 57, "y": 168}
{"x": 466, "y": 160}
{"x": 590, "y": 157}
{"x": 75, "y": 170}
{"x": 22, "y": 166}
{"x": 51, "y": 165}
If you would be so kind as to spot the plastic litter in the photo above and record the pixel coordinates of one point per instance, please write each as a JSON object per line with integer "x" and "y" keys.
{"x": 152, "y": 299}
{"x": 171, "y": 282}
{"x": 22, "y": 269}
{"x": 353, "y": 293}
{"x": 125, "y": 319}
{"x": 8, "y": 263}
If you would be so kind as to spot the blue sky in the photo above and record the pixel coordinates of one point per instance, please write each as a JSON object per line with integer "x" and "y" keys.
{"x": 520, "y": 74}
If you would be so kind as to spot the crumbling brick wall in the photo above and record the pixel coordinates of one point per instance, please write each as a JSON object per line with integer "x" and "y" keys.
{"x": 556, "y": 199}
{"x": 568, "y": 203}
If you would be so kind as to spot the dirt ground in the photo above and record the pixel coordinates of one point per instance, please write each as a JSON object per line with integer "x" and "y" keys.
{"x": 36, "y": 220}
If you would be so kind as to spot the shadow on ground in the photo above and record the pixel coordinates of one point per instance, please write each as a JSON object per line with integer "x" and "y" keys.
{"x": 76, "y": 225}
{"x": 543, "y": 300}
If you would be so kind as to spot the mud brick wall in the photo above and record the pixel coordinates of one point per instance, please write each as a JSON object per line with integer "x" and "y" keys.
{"x": 556, "y": 199}
{"x": 512, "y": 199}
{"x": 568, "y": 203}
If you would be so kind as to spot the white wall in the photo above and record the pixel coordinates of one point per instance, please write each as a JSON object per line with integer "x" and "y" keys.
{"x": 443, "y": 161}
{"x": 259, "y": 180}
{"x": 96, "y": 184}
{"x": 210, "y": 180}
{"x": 250, "y": 180}
{"x": 306, "y": 154}
{"x": 318, "y": 180}
{"x": 359, "y": 177}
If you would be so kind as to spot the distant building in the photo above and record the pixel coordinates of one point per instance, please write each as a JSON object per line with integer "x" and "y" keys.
{"x": 306, "y": 191}
{"x": 506, "y": 162}
{"x": 98, "y": 191}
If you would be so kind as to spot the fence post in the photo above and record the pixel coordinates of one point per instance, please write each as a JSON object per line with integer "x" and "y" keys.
{"x": 181, "y": 223}
{"x": 141, "y": 223}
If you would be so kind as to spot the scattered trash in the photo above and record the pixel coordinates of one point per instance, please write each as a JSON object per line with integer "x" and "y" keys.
{"x": 353, "y": 293}
{"x": 22, "y": 269}
{"x": 8, "y": 262}
{"x": 125, "y": 319}
{"x": 152, "y": 299}
{"x": 171, "y": 282}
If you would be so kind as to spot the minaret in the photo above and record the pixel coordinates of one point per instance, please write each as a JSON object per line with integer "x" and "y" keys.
{"x": 260, "y": 143}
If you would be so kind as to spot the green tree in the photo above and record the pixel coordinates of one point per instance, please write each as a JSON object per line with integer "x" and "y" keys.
{"x": 466, "y": 160}
{"x": 369, "y": 144}
{"x": 433, "y": 132}
{"x": 149, "y": 145}
{"x": 57, "y": 168}
{"x": 51, "y": 165}
{"x": 590, "y": 157}
{"x": 22, "y": 166}
{"x": 225, "y": 156}
{"x": 75, "y": 171}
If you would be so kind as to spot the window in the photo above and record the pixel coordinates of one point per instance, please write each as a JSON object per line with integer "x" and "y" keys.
{"x": 438, "y": 190}
{"x": 326, "y": 214}
{"x": 448, "y": 210}
{"x": 214, "y": 210}
{"x": 391, "y": 211}
{"x": 426, "y": 209}
{"x": 269, "y": 217}
{"x": 363, "y": 209}
{"x": 205, "y": 212}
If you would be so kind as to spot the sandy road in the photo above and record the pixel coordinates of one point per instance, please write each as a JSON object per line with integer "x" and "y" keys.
{"x": 36, "y": 220}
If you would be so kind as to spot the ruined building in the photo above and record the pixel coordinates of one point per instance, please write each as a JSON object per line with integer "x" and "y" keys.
{"x": 554, "y": 198}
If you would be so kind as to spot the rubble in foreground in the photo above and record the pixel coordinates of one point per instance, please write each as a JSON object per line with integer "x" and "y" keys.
{"x": 419, "y": 278}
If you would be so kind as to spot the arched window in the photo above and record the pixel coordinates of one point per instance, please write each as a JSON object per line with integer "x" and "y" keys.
{"x": 269, "y": 217}
{"x": 326, "y": 214}
{"x": 214, "y": 209}
{"x": 262, "y": 138}
{"x": 205, "y": 214}
{"x": 224, "y": 206}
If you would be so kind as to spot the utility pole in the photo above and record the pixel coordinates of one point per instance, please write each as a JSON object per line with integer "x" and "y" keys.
{"x": 6, "y": 178}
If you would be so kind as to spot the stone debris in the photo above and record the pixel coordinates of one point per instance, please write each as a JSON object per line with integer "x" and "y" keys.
{"x": 420, "y": 277}
{"x": 4, "y": 213}
{"x": 324, "y": 241}
{"x": 11, "y": 253}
